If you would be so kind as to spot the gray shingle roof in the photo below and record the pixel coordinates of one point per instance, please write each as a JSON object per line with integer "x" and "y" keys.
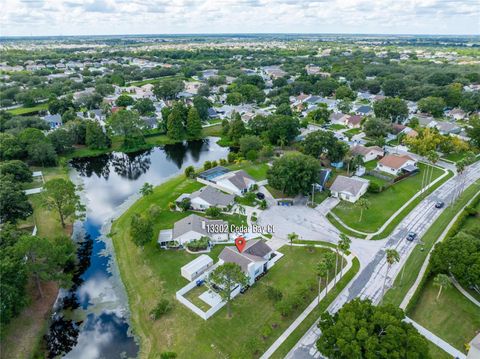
{"x": 351, "y": 185}
{"x": 194, "y": 223}
{"x": 240, "y": 179}
{"x": 232, "y": 255}
{"x": 213, "y": 196}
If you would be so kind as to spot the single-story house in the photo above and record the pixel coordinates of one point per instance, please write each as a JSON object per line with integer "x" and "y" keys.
{"x": 207, "y": 197}
{"x": 253, "y": 260}
{"x": 54, "y": 121}
{"x": 198, "y": 266}
{"x": 457, "y": 114}
{"x": 367, "y": 153}
{"x": 353, "y": 121}
{"x": 349, "y": 188}
{"x": 394, "y": 164}
{"x": 364, "y": 110}
{"x": 446, "y": 128}
{"x": 212, "y": 113}
{"x": 235, "y": 182}
{"x": 338, "y": 118}
{"x": 194, "y": 227}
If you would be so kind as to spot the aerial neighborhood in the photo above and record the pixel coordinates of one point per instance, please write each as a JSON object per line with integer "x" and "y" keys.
{"x": 200, "y": 196}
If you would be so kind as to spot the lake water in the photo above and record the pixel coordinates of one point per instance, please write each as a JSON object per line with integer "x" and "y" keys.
{"x": 91, "y": 320}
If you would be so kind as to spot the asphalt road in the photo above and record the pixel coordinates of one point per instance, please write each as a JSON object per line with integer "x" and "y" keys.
{"x": 312, "y": 224}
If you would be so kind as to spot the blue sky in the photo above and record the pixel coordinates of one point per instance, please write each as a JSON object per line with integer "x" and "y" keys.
{"x": 96, "y": 17}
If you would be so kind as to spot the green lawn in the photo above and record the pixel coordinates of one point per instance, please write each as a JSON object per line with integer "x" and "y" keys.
{"x": 370, "y": 165}
{"x": 257, "y": 170}
{"x": 455, "y": 156}
{"x": 414, "y": 262}
{"x": 382, "y": 205}
{"x": 151, "y": 273}
{"x": 352, "y": 132}
{"x": 453, "y": 317}
{"x": 297, "y": 334}
{"x": 27, "y": 110}
{"x": 335, "y": 127}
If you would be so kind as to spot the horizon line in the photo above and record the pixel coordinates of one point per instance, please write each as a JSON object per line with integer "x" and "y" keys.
{"x": 244, "y": 34}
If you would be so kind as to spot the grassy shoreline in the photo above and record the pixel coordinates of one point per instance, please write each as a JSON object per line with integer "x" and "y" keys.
{"x": 151, "y": 140}
{"x": 22, "y": 337}
{"x": 149, "y": 274}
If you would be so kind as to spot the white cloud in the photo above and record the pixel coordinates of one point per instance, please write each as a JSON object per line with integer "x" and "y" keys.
{"x": 72, "y": 17}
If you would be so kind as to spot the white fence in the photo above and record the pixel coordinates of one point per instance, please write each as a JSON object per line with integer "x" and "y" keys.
{"x": 202, "y": 314}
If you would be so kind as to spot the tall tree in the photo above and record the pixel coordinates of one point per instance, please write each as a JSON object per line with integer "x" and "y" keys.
{"x": 392, "y": 257}
{"x": 16, "y": 170}
{"x": 194, "y": 124}
{"x": 95, "y": 138}
{"x": 363, "y": 204}
{"x": 294, "y": 173}
{"x": 226, "y": 277}
{"x": 46, "y": 259}
{"x": 362, "y": 330}
{"x": 394, "y": 109}
{"x": 14, "y": 204}
{"x": 59, "y": 195}
{"x": 128, "y": 125}
{"x": 322, "y": 273}
{"x": 344, "y": 246}
{"x": 141, "y": 229}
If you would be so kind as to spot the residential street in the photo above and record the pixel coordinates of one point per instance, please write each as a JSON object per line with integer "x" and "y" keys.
{"x": 312, "y": 225}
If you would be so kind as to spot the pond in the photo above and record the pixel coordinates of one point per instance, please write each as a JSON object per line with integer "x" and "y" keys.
{"x": 91, "y": 318}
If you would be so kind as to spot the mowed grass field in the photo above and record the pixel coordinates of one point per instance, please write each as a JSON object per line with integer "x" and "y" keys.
{"x": 382, "y": 205}
{"x": 150, "y": 274}
{"x": 452, "y": 317}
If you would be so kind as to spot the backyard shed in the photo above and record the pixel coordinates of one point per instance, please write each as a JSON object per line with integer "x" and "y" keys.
{"x": 192, "y": 270}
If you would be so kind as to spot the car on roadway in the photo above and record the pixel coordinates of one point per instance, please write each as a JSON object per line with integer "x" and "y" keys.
{"x": 411, "y": 236}
{"x": 260, "y": 195}
{"x": 439, "y": 204}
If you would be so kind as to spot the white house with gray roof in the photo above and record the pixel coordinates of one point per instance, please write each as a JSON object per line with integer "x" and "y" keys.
{"x": 254, "y": 260}
{"x": 207, "y": 197}
{"x": 349, "y": 188}
{"x": 234, "y": 182}
{"x": 195, "y": 227}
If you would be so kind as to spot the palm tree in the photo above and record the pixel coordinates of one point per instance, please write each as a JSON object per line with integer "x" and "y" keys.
{"x": 442, "y": 281}
{"x": 460, "y": 170}
{"x": 322, "y": 272}
{"x": 329, "y": 259}
{"x": 348, "y": 158}
{"x": 363, "y": 204}
{"x": 433, "y": 158}
{"x": 292, "y": 237}
{"x": 392, "y": 257}
{"x": 344, "y": 245}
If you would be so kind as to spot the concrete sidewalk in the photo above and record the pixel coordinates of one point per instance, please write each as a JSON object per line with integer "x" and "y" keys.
{"x": 436, "y": 340}
{"x": 269, "y": 352}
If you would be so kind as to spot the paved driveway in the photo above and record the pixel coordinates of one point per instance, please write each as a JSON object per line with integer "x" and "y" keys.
{"x": 311, "y": 224}
{"x": 369, "y": 282}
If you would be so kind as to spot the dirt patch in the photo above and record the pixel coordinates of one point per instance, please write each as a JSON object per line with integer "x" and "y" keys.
{"x": 23, "y": 334}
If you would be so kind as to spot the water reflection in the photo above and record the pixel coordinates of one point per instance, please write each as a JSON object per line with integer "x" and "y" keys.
{"x": 96, "y": 326}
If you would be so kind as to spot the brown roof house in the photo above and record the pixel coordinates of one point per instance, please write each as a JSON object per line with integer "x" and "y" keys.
{"x": 353, "y": 121}
{"x": 349, "y": 188}
{"x": 367, "y": 153}
{"x": 254, "y": 260}
{"x": 395, "y": 164}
